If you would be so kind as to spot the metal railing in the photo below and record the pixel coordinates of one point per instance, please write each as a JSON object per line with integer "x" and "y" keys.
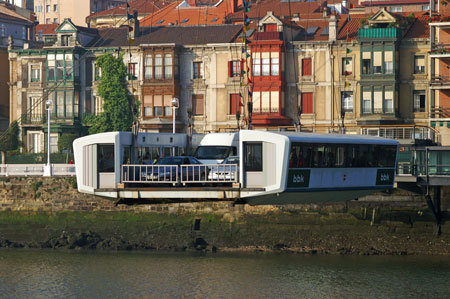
{"x": 423, "y": 169}
{"x": 135, "y": 173}
{"x": 399, "y": 133}
{"x": 36, "y": 169}
{"x": 180, "y": 174}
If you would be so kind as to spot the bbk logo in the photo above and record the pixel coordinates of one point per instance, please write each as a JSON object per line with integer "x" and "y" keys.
{"x": 385, "y": 177}
{"x": 298, "y": 179}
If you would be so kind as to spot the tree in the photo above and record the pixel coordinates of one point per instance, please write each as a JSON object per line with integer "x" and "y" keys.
{"x": 9, "y": 140}
{"x": 65, "y": 142}
{"x": 117, "y": 112}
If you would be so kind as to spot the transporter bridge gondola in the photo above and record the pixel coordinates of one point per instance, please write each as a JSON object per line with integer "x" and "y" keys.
{"x": 273, "y": 168}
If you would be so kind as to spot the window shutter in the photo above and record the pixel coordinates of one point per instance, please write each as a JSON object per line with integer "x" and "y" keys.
{"x": 376, "y": 58}
{"x": 157, "y": 100}
{"x": 230, "y": 68}
{"x": 168, "y": 100}
{"x": 378, "y": 100}
{"x": 307, "y": 67}
{"x": 274, "y": 101}
{"x": 234, "y": 103}
{"x": 197, "y": 104}
{"x": 388, "y": 56}
{"x": 307, "y": 102}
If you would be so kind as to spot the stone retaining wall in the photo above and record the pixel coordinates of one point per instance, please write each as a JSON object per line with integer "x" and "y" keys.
{"x": 60, "y": 194}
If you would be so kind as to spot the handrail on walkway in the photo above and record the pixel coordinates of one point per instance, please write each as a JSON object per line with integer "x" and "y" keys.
{"x": 36, "y": 169}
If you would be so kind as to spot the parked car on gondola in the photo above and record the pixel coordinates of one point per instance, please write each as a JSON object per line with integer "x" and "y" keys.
{"x": 227, "y": 171}
{"x": 186, "y": 168}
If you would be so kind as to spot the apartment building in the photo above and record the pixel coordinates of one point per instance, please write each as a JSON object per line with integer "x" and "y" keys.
{"x": 439, "y": 22}
{"x": 55, "y": 11}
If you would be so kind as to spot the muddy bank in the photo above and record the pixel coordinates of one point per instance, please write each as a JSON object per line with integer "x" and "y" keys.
{"x": 396, "y": 233}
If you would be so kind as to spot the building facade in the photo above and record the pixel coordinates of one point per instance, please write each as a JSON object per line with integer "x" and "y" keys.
{"x": 55, "y": 11}
{"x": 440, "y": 70}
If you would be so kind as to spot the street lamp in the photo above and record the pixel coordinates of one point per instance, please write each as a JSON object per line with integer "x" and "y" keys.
{"x": 175, "y": 104}
{"x": 48, "y": 167}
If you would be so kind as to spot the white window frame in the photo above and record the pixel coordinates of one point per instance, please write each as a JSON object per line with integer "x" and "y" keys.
{"x": 347, "y": 102}
{"x": 30, "y": 71}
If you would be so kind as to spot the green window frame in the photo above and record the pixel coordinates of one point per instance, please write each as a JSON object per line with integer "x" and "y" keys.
{"x": 61, "y": 66}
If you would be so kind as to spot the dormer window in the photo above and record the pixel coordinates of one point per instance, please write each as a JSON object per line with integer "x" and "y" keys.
{"x": 65, "y": 40}
{"x": 270, "y": 28}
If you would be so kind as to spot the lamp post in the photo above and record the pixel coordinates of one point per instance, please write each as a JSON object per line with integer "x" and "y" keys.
{"x": 48, "y": 167}
{"x": 343, "y": 120}
{"x": 175, "y": 103}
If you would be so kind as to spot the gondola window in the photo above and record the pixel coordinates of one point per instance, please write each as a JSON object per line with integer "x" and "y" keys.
{"x": 253, "y": 157}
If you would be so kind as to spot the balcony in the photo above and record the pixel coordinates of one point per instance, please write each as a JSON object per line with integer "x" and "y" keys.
{"x": 439, "y": 112}
{"x": 400, "y": 133}
{"x": 440, "y": 82}
{"x": 440, "y": 21}
{"x": 440, "y": 50}
{"x": 41, "y": 119}
{"x": 267, "y": 36}
{"x": 379, "y": 33}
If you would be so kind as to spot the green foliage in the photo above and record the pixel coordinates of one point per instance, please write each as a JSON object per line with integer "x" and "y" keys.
{"x": 10, "y": 139}
{"x": 37, "y": 185}
{"x": 65, "y": 142}
{"x": 117, "y": 112}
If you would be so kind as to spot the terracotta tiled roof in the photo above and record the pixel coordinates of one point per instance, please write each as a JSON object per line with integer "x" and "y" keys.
{"x": 397, "y": 2}
{"x": 279, "y": 9}
{"x": 188, "y": 16}
{"x": 287, "y": 9}
{"x": 144, "y": 7}
{"x": 420, "y": 28}
{"x": 349, "y": 28}
{"x": 181, "y": 35}
{"x": 47, "y": 29}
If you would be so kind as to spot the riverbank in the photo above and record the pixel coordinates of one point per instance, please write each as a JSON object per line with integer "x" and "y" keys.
{"x": 50, "y": 213}
{"x": 399, "y": 232}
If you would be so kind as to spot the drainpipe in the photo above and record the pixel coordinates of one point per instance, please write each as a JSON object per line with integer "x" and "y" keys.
{"x": 432, "y": 61}
{"x": 332, "y": 84}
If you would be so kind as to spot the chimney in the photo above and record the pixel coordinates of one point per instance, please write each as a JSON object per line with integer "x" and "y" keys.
{"x": 135, "y": 24}
{"x": 332, "y": 28}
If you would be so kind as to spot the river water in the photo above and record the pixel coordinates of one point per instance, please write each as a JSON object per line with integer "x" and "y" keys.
{"x": 74, "y": 274}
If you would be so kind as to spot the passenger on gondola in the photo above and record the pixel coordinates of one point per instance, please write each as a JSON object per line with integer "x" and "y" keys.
{"x": 292, "y": 160}
{"x": 300, "y": 159}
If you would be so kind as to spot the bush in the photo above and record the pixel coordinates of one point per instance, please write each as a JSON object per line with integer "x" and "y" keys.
{"x": 15, "y": 157}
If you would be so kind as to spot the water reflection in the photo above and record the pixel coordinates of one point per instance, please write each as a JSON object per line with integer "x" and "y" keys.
{"x": 44, "y": 274}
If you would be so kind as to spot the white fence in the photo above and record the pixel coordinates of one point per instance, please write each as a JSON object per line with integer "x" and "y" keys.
{"x": 36, "y": 169}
